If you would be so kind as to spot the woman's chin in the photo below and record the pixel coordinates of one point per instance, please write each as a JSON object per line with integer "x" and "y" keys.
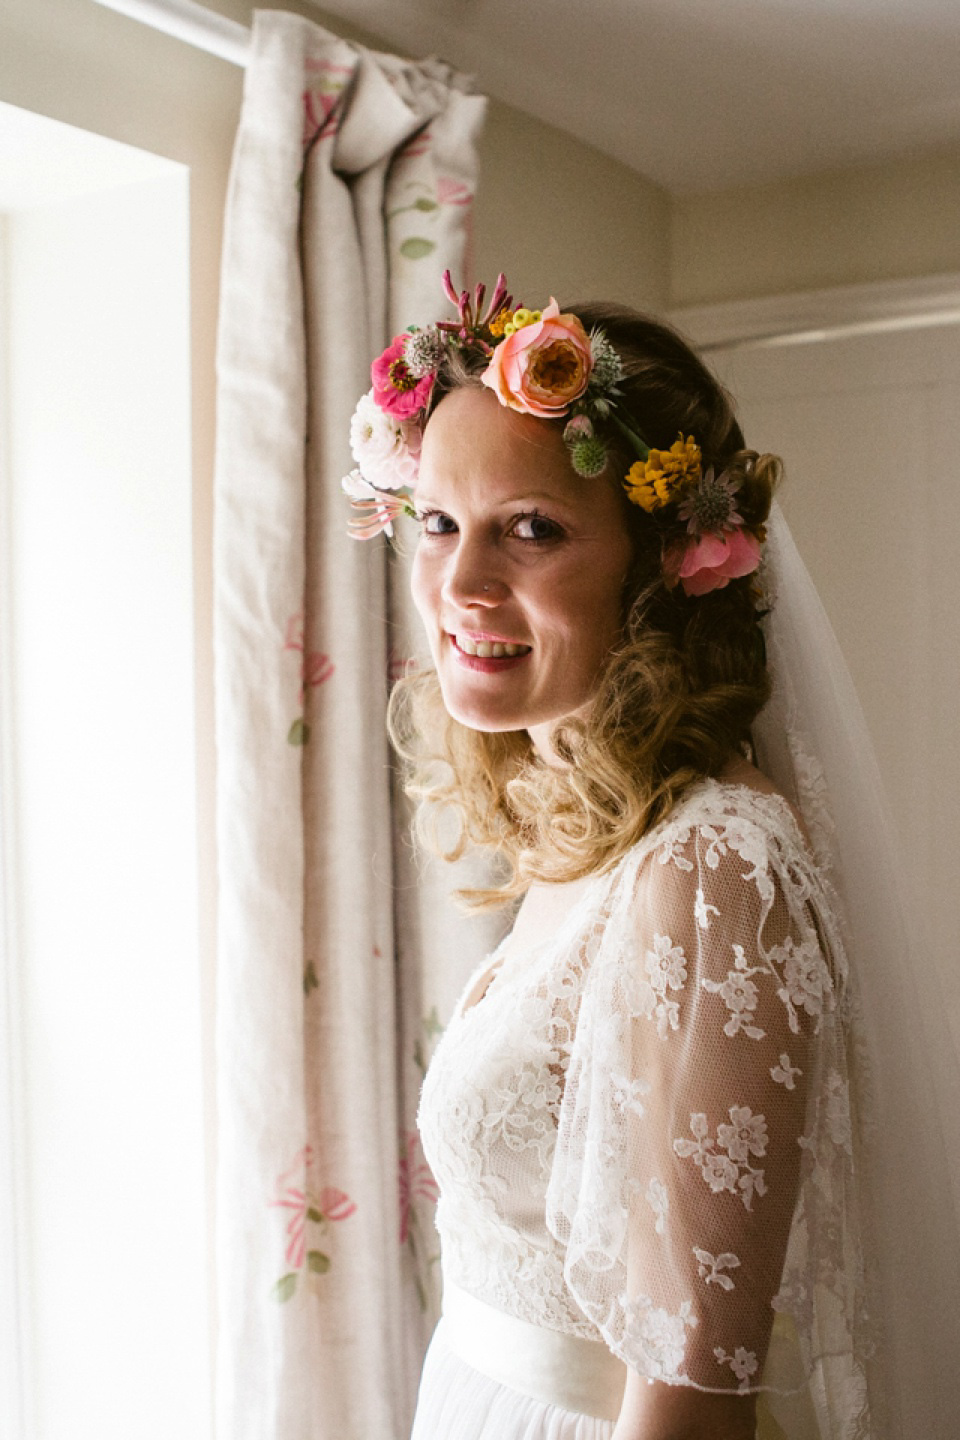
{"x": 483, "y": 713}
{"x": 484, "y": 721}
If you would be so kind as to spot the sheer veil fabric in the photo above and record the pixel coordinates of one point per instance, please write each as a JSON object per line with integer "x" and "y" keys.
{"x": 812, "y": 740}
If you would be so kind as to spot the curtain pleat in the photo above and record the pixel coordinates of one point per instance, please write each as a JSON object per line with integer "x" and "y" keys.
{"x": 339, "y": 954}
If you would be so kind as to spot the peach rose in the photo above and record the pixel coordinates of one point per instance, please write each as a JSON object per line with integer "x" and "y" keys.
{"x": 543, "y": 367}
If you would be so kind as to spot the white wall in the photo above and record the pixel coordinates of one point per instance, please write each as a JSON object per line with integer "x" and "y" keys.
{"x": 888, "y": 221}
{"x": 100, "y": 662}
{"x": 553, "y": 212}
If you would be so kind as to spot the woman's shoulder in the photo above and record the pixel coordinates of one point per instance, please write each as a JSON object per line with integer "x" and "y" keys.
{"x": 739, "y": 812}
{"x": 732, "y": 844}
{"x": 740, "y": 780}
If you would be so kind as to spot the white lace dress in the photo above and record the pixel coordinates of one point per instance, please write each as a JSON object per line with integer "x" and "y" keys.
{"x": 644, "y": 1147}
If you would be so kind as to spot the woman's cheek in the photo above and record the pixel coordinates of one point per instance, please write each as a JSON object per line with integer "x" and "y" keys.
{"x": 419, "y": 585}
{"x": 425, "y": 586}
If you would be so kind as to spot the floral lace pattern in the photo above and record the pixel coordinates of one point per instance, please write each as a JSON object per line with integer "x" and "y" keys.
{"x": 666, "y": 971}
{"x": 644, "y": 1125}
{"x": 711, "y": 1267}
{"x": 657, "y": 1335}
{"x": 742, "y": 1362}
{"x": 658, "y": 1198}
{"x": 740, "y": 995}
{"x": 745, "y": 1136}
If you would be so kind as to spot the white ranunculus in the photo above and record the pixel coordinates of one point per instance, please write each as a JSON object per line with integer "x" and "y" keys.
{"x": 387, "y": 452}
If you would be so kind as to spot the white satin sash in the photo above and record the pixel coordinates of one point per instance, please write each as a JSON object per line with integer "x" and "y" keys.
{"x": 546, "y": 1365}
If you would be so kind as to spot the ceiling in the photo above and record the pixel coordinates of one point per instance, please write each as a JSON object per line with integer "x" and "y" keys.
{"x": 703, "y": 95}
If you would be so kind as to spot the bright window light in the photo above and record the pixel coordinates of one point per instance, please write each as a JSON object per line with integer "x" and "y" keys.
{"x": 104, "y": 1311}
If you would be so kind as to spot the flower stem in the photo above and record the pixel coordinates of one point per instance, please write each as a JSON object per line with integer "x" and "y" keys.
{"x": 636, "y": 443}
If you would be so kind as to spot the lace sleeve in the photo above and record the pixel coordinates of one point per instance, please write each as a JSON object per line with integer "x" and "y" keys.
{"x": 704, "y": 1128}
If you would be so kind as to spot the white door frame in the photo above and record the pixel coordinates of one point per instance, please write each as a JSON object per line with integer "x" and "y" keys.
{"x": 810, "y": 316}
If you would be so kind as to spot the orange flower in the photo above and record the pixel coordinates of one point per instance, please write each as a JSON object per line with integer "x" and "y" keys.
{"x": 543, "y": 367}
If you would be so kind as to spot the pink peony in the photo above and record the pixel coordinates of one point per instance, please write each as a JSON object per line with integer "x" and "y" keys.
{"x": 713, "y": 561}
{"x": 394, "y": 388}
{"x": 542, "y": 368}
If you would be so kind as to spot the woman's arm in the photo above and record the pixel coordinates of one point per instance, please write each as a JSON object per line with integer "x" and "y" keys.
{"x": 686, "y": 1124}
{"x": 654, "y": 1411}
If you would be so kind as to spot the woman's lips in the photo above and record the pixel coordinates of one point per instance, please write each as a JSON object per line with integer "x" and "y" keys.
{"x": 486, "y": 664}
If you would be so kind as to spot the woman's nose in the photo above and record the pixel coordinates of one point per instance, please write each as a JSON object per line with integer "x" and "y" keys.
{"x": 474, "y": 577}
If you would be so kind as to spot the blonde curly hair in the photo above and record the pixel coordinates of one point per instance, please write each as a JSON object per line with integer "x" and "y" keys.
{"x": 674, "y": 701}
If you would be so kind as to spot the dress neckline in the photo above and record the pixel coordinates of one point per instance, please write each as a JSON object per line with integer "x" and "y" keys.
{"x": 493, "y": 962}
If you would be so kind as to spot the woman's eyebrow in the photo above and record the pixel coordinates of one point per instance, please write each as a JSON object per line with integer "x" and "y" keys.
{"x": 528, "y": 497}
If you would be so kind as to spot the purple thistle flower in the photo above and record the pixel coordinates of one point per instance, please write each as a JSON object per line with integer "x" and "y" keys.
{"x": 710, "y": 508}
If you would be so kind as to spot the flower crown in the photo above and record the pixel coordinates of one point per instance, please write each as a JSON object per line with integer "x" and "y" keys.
{"x": 544, "y": 363}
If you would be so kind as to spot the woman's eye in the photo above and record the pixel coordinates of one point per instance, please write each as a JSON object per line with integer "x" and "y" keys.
{"x": 536, "y": 527}
{"x": 435, "y": 522}
{"x": 532, "y": 528}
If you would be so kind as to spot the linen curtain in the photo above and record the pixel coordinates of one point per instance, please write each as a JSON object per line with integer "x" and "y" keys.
{"x": 338, "y": 957}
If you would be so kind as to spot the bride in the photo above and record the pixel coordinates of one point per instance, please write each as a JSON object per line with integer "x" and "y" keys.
{"x": 649, "y": 1115}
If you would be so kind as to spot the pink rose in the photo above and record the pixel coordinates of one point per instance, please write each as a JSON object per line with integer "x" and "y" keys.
{"x": 394, "y": 388}
{"x": 713, "y": 561}
{"x": 543, "y": 367}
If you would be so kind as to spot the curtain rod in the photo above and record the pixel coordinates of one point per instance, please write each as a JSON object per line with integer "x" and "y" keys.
{"x": 186, "y": 20}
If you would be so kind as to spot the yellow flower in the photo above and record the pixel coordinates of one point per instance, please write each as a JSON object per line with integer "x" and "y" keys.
{"x": 684, "y": 457}
{"x": 499, "y": 324}
{"x": 656, "y": 481}
{"x": 638, "y": 488}
{"x": 521, "y": 318}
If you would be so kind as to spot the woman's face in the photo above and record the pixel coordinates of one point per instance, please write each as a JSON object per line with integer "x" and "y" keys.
{"x": 516, "y": 549}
